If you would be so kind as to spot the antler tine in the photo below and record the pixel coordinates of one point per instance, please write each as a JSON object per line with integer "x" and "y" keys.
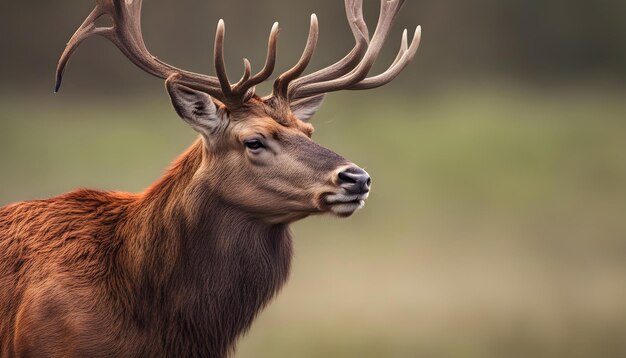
{"x": 220, "y": 65}
{"x": 388, "y": 13}
{"x": 270, "y": 62}
{"x": 354, "y": 14}
{"x": 402, "y": 60}
{"x": 247, "y": 71}
{"x": 281, "y": 85}
{"x": 404, "y": 46}
{"x": 86, "y": 29}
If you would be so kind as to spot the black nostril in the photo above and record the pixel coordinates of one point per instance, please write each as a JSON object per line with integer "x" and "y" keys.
{"x": 346, "y": 178}
{"x": 355, "y": 180}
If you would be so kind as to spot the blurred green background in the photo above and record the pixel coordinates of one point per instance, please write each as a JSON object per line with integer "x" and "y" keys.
{"x": 497, "y": 222}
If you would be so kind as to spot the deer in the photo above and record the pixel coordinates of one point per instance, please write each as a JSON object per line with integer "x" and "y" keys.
{"x": 183, "y": 268}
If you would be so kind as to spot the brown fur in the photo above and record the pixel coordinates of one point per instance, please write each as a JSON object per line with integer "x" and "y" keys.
{"x": 175, "y": 271}
{"x": 183, "y": 268}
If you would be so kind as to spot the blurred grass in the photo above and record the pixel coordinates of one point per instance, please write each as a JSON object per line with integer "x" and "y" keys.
{"x": 496, "y": 226}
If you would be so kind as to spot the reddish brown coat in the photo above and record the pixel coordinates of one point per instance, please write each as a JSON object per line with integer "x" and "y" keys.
{"x": 163, "y": 273}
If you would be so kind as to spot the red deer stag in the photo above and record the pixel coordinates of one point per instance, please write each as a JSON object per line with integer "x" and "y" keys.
{"x": 182, "y": 269}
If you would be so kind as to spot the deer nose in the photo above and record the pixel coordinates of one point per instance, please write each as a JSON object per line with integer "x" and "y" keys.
{"x": 355, "y": 180}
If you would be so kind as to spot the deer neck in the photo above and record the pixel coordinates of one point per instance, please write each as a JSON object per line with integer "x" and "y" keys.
{"x": 187, "y": 252}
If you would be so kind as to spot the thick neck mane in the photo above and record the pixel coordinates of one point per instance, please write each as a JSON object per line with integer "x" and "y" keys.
{"x": 205, "y": 266}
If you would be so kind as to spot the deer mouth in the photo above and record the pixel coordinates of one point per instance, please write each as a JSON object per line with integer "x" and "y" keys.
{"x": 344, "y": 205}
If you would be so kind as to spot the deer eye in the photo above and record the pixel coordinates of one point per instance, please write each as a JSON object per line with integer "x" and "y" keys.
{"x": 254, "y": 145}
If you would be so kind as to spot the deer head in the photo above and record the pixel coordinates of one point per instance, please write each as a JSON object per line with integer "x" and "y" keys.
{"x": 259, "y": 155}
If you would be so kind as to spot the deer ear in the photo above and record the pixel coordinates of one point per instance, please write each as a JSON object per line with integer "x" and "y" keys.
{"x": 195, "y": 107}
{"x": 306, "y": 108}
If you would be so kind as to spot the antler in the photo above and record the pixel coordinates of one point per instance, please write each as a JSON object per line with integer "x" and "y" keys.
{"x": 126, "y": 35}
{"x": 351, "y": 72}
{"x": 348, "y": 73}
